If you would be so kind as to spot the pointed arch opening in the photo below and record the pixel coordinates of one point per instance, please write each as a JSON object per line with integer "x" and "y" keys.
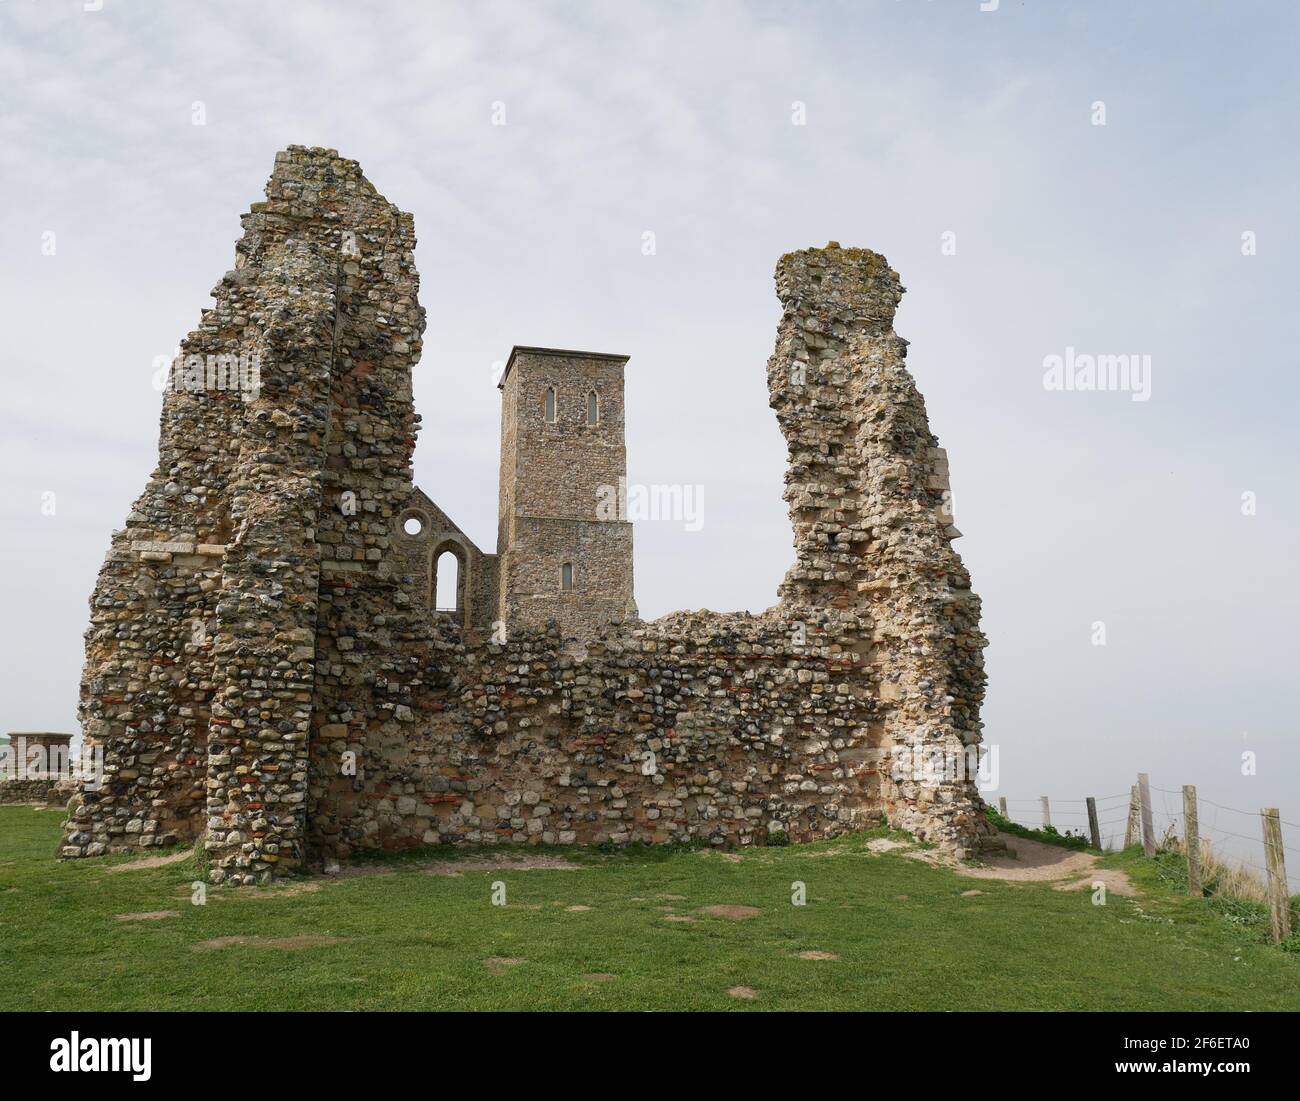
{"x": 593, "y": 408}
{"x": 447, "y": 586}
{"x": 548, "y": 405}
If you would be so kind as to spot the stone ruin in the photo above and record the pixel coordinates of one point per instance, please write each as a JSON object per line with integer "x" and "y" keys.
{"x": 267, "y": 669}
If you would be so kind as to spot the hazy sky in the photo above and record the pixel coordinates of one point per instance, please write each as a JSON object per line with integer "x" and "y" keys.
{"x": 919, "y": 120}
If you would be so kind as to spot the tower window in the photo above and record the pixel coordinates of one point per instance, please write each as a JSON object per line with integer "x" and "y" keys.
{"x": 593, "y": 408}
{"x": 550, "y": 404}
{"x": 566, "y": 576}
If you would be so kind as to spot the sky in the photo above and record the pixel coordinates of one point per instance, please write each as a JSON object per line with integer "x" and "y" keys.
{"x": 1050, "y": 180}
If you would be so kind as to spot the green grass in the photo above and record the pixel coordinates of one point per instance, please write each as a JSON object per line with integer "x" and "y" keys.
{"x": 412, "y": 940}
{"x": 1169, "y": 869}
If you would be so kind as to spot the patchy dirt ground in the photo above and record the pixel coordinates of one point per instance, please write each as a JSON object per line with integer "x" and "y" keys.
{"x": 265, "y": 892}
{"x": 736, "y": 913}
{"x": 501, "y": 863}
{"x": 1116, "y": 882}
{"x": 885, "y": 844}
{"x": 505, "y": 864}
{"x": 1027, "y": 861}
{"x": 308, "y": 940}
{"x": 287, "y": 890}
{"x": 148, "y": 862}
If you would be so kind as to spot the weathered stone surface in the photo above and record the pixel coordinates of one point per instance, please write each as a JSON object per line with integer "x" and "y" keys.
{"x": 265, "y": 665}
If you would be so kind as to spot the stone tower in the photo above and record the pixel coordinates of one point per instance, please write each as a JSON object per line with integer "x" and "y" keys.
{"x": 563, "y": 538}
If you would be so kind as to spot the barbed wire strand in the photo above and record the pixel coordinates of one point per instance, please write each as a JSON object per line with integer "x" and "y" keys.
{"x": 1235, "y": 810}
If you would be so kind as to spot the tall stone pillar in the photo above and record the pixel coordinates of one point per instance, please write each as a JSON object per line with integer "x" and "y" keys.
{"x": 871, "y": 509}
{"x": 232, "y": 618}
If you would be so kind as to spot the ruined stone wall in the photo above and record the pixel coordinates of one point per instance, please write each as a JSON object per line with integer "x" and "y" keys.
{"x": 49, "y": 792}
{"x": 727, "y": 728}
{"x": 416, "y": 554}
{"x": 371, "y": 627}
{"x": 871, "y": 507}
{"x": 148, "y": 681}
{"x": 319, "y": 707}
{"x": 234, "y": 612}
{"x": 720, "y": 728}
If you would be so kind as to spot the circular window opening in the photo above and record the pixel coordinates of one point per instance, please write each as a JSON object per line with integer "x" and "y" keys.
{"x": 412, "y": 525}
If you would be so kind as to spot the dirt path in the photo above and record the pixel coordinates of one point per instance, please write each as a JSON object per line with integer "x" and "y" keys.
{"x": 1027, "y": 861}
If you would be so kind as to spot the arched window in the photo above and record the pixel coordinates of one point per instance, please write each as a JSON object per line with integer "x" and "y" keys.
{"x": 446, "y": 571}
{"x": 593, "y": 408}
{"x": 550, "y": 404}
{"x": 566, "y": 576}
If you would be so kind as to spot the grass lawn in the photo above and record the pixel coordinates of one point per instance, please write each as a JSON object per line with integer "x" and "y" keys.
{"x": 902, "y": 934}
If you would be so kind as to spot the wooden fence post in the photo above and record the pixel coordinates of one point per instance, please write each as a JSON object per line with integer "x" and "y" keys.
{"x": 1047, "y": 811}
{"x": 1278, "y": 900}
{"x": 1131, "y": 826}
{"x": 1192, "y": 841}
{"x": 1002, "y": 805}
{"x": 1148, "y": 829}
{"x": 1093, "y": 828}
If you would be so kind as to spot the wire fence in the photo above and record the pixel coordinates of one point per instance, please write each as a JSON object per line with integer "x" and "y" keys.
{"x": 1071, "y": 815}
{"x": 1242, "y": 873}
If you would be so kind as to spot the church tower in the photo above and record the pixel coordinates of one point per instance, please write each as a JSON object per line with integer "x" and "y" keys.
{"x": 564, "y": 543}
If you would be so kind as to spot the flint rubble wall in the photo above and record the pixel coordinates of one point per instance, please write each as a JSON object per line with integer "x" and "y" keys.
{"x": 264, "y": 668}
